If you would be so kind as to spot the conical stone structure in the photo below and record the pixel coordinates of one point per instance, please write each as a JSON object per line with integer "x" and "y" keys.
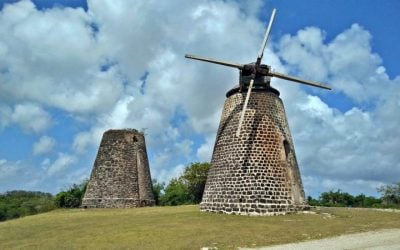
{"x": 257, "y": 172}
{"x": 121, "y": 176}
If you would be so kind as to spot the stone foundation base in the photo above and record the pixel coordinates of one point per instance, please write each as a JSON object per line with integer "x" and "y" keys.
{"x": 115, "y": 203}
{"x": 253, "y": 209}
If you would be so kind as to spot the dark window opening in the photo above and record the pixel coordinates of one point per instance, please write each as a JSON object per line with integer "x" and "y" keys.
{"x": 286, "y": 146}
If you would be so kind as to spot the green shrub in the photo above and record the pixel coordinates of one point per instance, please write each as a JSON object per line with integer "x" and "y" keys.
{"x": 71, "y": 198}
{"x": 176, "y": 193}
{"x": 187, "y": 189}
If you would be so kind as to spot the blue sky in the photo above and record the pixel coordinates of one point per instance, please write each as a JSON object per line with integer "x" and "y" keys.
{"x": 70, "y": 70}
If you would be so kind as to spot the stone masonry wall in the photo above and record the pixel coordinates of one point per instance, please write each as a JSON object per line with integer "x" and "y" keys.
{"x": 144, "y": 176}
{"x": 257, "y": 173}
{"x": 121, "y": 174}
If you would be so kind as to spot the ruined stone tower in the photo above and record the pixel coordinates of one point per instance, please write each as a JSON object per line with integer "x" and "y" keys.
{"x": 121, "y": 175}
{"x": 257, "y": 172}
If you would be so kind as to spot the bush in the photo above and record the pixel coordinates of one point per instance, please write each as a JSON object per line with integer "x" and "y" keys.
{"x": 72, "y": 198}
{"x": 157, "y": 189}
{"x": 187, "y": 189}
{"x": 176, "y": 193}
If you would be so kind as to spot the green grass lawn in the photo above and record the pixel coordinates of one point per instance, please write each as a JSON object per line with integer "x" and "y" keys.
{"x": 181, "y": 227}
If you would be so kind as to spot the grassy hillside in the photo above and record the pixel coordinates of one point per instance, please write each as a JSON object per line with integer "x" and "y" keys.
{"x": 181, "y": 227}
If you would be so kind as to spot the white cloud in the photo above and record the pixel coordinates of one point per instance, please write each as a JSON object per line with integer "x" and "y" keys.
{"x": 8, "y": 169}
{"x": 165, "y": 175}
{"x": 307, "y": 52}
{"x": 44, "y": 145}
{"x": 52, "y": 57}
{"x": 5, "y": 115}
{"x": 204, "y": 152}
{"x": 29, "y": 116}
{"x": 88, "y": 138}
{"x": 49, "y": 175}
{"x": 334, "y": 147}
{"x": 347, "y": 62}
{"x": 184, "y": 147}
{"x": 61, "y": 164}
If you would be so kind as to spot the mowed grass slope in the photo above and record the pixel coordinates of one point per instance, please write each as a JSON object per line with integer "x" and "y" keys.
{"x": 181, "y": 227}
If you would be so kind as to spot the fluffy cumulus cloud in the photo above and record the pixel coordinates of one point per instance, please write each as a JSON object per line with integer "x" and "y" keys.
{"x": 51, "y": 57}
{"x": 352, "y": 149}
{"x": 31, "y": 118}
{"x": 8, "y": 169}
{"x": 50, "y": 174}
{"x": 121, "y": 65}
{"x": 60, "y": 165}
{"x": 44, "y": 145}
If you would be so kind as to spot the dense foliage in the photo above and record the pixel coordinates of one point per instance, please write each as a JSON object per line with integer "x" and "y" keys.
{"x": 157, "y": 190}
{"x": 343, "y": 199}
{"x": 15, "y": 204}
{"x": 194, "y": 177}
{"x": 187, "y": 189}
{"x": 72, "y": 197}
{"x": 176, "y": 193}
{"x": 390, "y": 194}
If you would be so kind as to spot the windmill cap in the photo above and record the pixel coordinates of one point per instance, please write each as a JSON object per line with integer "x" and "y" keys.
{"x": 236, "y": 89}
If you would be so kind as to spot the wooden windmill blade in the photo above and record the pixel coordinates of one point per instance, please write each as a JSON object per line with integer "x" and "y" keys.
{"x": 266, "y": 36}
{"x": 256, "y": 66}
{"x": 299, "y": 80}
{"x": 210, "y": 60}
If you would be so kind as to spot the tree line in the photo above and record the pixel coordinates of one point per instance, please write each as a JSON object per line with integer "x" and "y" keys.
{"x": 343, "y": 199}
{"x": 18, "y": 203}
{"x": 390, "y": 198}
{"x": 185, "y": 189}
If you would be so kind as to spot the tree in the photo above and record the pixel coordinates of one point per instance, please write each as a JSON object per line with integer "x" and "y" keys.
{"x": 157, "y": 189}
{"x": 337, "y": 199}
{"x": 188, "y": 188}
{"x": 313, "y": 202}
{"x": 343, "y": 199}
{"x": 195, "y": 177}
{"x": 72, "y": 197}
{"x": 176, "y": 193}
{"x": 390, "y": 194}
{"x": 370, "y": 201}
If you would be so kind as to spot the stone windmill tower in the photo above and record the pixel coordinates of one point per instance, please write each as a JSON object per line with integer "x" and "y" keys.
{"x": 253, "y": 167}
{"x": 121, "y": 174}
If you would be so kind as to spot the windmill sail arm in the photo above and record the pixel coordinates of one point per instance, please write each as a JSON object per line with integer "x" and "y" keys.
{"x": 298, "y": 80}
{"x": 266, "y": 36}
{"x": 210, "y": 60}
